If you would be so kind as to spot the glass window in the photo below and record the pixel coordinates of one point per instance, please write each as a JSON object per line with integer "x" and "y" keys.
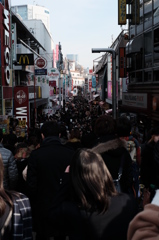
{"x": 139, "y": 76}
{"x": 156, "y": 75}
{"x": 156, "y": 47}
{"x": 148, "y": 76}
{"x": 148, "y": 49}
{"x": 148, "y": 14}
{"x": 132, "y": 78}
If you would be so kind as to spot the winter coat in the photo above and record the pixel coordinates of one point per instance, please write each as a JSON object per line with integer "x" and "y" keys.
{"x": 46, "y": 166}
{"x": 145, "y": 225}
{"x": 114, "y": 152}
{"x": 67, "y": 218}
{"x": 17, "y": 224}
{"x": 10, "y": 169}
{"x": 149, "y": 167}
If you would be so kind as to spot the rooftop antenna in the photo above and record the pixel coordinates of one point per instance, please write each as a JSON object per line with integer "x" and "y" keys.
{"x": 112, "y": 38}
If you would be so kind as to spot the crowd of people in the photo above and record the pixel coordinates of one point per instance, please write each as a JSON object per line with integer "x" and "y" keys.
{"x": 59, "y": 181}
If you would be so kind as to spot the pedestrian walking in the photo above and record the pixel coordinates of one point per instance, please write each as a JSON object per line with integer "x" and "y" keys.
{"x": 10, "y": 177}
{"x": 94, "y": 209}
{"x": 15, "y": 213}
{"x": 46, "y": 166}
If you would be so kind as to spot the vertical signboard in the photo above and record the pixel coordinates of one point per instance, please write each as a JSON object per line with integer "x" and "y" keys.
{"x": 135, "y": 12}
{"x": 121, "y": 12}
{"x": 93, "y": 81}
{"x": 5, "y": 41}
{"x": 122, "y": 62}
{"x": 21, "y": 104}
{"x": 109, "y": 76}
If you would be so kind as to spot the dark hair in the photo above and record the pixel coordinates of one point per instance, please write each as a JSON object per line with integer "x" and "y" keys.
{"x": 91, "y": 181}
{"x": 123, "y": 126}
{"x": 75, "y": 133}
{"x": 50, "y": 128}
{"x": 104, "y": 125}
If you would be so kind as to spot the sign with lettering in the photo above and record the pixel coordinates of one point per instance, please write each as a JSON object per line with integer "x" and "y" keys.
{"x": 121, "y": 12}
{"x": 5, "y": 41}
{"x": 138, "y": 100}
{"x": 21, "y": 104}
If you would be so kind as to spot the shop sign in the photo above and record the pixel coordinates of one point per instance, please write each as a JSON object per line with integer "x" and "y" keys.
{"x": 21, "y": 104}
{"x": 138, "y": 100}
{"x": 121, "y": 12}
{"x": 122, "y": 63}
{"x": 40, "y": 63}
{"x": 5, "y": 41}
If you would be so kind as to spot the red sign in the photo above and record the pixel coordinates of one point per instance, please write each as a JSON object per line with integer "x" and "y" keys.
{"x": 21, "y": 104}
{"x": 40, "y": 62}
{"x": 122, "y": 62}
{"x": 5, "y": 41}
{"x": 90, "y": 84}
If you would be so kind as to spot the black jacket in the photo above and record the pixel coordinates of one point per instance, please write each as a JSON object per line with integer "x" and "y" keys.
{"x": 113, "y": 150}
{"x": 66, "y": 218}
{"x": 46, "y": 166}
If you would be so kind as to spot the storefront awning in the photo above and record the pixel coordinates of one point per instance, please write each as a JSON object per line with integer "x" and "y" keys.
{"x": 39, "y": 102}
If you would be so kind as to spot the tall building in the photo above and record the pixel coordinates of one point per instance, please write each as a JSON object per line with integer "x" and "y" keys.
{"x": 29, "y": 12}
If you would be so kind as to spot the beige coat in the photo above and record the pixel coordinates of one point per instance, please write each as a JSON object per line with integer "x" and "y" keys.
{"x": 145, "y": 224}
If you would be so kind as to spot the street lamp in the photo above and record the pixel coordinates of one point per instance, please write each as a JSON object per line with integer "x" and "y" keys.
{"x": 112, "y": 51}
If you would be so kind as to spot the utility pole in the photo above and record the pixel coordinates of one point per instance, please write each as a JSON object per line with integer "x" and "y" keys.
{"x": 60, "y": 68}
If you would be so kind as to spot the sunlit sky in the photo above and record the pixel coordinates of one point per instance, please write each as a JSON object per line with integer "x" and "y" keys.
{"x": 81, "y": 25}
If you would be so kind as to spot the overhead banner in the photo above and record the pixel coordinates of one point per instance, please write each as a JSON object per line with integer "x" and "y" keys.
{"x": 121, "y": 12}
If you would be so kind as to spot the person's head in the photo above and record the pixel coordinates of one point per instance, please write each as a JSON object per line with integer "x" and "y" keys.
{"x": 91, "y": 181}
{"x": 50, "y": 128}
{"x": 123, "y": 126}
{"x": 21, "y": 151}
{"x": 155, "y": 134}
{"x": 75, "y": 133}
{"x": 104, "y": 125}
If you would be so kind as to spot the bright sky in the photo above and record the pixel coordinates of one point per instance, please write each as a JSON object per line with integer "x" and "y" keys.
{"x": 80, "y": 25}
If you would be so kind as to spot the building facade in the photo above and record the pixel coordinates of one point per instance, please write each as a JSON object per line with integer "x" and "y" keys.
{"x": 142, "y": 52}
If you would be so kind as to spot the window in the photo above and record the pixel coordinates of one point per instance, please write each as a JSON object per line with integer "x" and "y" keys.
{"x": 148, "y": 49}
{"x": 156, "y": 47}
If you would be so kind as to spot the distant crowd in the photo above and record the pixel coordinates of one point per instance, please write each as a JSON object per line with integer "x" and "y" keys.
{"x": 80, "y": 174}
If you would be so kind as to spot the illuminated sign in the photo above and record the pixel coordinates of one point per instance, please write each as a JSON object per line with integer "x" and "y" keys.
{"x": 25, "y": 59}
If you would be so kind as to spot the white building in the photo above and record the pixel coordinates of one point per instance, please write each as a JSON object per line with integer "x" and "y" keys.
{"x": 37, "y": 20}
{"x": 29, "y": 12}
